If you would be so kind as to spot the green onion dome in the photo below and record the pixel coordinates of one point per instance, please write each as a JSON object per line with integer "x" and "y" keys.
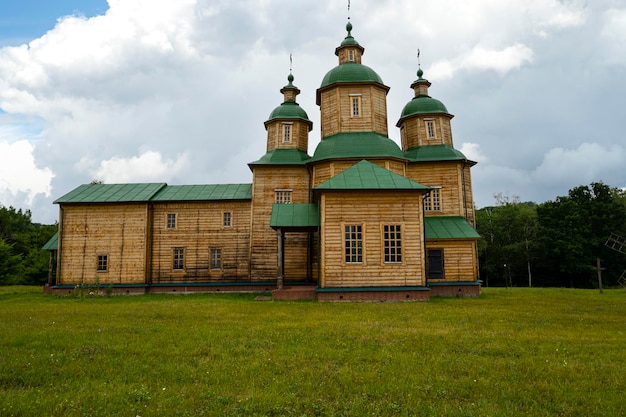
{"x": 350, "y": 72}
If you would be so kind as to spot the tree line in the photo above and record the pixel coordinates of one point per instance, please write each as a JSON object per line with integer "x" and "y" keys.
{"x": 557, "y": 243}
{"x": 22, "y": 261}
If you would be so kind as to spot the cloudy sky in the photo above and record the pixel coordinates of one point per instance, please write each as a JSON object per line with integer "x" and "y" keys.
{"x": 177, "y": 91}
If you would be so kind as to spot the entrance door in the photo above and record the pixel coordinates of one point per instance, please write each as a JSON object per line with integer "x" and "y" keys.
{"x": 435, "y": 264}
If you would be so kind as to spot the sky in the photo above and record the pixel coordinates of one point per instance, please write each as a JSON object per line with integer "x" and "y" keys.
{"x": 177, "y": 91}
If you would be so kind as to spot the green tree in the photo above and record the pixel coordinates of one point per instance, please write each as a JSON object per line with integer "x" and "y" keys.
{"x": 507, "y": 249}
{"x": 573, "y": 231}
{"x": 10, "y": 264}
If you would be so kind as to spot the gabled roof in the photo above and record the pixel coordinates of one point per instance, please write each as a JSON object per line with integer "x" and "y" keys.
{"x": 295, "y": 216}
{"x": 53, "y": 243}
{"x": 204, "y": 192}
{"x": 432, "y": 153}
{"x": 283, "y": 157}
{"x": 449, "y": 227}
{"x": 127, "y": 193}
{"x": 357, "y": 145}
{"x": 111, "y": 193}
{"x": 368, "y": 176}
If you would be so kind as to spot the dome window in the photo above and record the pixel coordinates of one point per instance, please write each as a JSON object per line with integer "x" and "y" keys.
{"x": 355, "y": 102}
{"x": 287, "y": 132}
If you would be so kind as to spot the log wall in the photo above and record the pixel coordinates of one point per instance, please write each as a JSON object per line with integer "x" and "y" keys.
{"x": 115, "y": 230}
{"x": 371, "y": 212}
{"x": 460, "y": 259}
{"x": 200, "y": 228}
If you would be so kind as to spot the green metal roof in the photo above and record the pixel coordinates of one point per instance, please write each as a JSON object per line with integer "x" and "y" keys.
{"x": 295, "y": 216}
{"x": 356, "y": 145}
{"x": 204, "y": 192}
{"x": 350, "y": 72}
{"x": 431, "y": 153}
{"x": 125, "y": 193}
{"x": 368, "y": 176}
{"x": 283, "y": 157}
{"x": 289, "y": 110}
{"x": 449, "y": 227}
{"x": 111, "y": 193}
{"x": 422, "y": 104}
{"x": 53, "y": 243}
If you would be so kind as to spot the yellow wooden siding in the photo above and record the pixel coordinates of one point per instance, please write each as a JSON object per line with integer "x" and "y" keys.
{"x": 264, "y": 243}
{"x": 199, "y": 228}
{"x": 299, "y": 136}
{"x": 115, "y": 230}
{"x": 336, "y": 110}
{"x": 371, "y": 211}
{"x": 445, "y": 175}
{"x": 460, "y": 259}
{"x": 415, "y": 131}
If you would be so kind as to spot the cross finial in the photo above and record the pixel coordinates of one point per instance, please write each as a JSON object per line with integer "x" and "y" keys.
{"x": 418, "y": 58}
{"x": 348, "y": 9}
{"x": 290, "y": 63}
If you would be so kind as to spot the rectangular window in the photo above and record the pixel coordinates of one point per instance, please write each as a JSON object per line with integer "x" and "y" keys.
{"x": 353, "y": 244}
{"x": 216, "y": 259}
{"x": 356, "y": 106}
{"x": 392, "y": 243}
{"x": 435, "y": 264}
{"x": 351, "y": 55}
{"x": 103, "y": 263}
{"x": 179, "y": 258}
{"x": 286, "y": 132}
{"x": 430, "y": 127}
{"x": 283, "y": 196}
{"x": 171, "y": 221}
{"x": 432, "y": 202}
{"x": 227, "y": 219}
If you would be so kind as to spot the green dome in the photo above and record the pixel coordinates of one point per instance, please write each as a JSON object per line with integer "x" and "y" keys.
{"x": 350, "y": 72}
{"x": 356, "y": 145}
{"x": 423, "y": 105}
{"x": 288, "y": 110}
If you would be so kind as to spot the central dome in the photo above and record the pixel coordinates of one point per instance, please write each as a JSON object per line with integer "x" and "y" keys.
{"x": 350, "y": 72}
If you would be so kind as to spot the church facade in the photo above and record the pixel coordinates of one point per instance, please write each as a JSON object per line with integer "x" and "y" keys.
{"x": 360, "y": 219}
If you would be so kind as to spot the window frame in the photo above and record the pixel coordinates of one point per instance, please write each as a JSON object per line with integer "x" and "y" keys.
{"x": 102, "y": 262}
{"x": 353, "y": 245}
{"x": 171, "y": 221}
{"x": 282, "y": 195}
{"x": 431, "y": 131}
{"x": 392, "y": 248}
{"x": 432, "y": 201}
{"x": 178, "y": 258}
{"x": 287, "y": 132}
{"x": 351, "y": 55}
{"x": 227, "y": 219}
{"x": 215, "y": 262}
{"x": 356, "y": 109}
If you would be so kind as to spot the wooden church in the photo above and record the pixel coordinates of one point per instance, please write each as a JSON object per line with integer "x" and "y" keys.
{"x": 360, "y": 219}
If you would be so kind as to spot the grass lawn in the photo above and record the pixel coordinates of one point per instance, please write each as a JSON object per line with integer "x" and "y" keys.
{"x": 532, "y": 352}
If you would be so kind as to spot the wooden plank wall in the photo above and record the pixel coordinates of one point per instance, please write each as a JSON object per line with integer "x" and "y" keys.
{"x": 372, "y": 211}
{"x": 299, "y": 136}
{"x": 263, "y": 240}
{"x": 336, "y": 110}
{"x": 415, "y": 133}
{"x": 460, "y": 259}
{"x": 115, "y": 230}
{"x": 200, "y": 228}
{"x": 445, "y": 175}
{"x": 325, "y": 170}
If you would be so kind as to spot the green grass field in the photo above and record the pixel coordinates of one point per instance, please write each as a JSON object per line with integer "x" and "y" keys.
{"x": 532, "y": 352}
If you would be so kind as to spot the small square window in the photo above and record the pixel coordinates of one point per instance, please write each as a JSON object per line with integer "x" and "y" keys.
{"x": 283, "y": 196}
{"x": 171, "y": 221}
{"x": 216, "y": 259}
{"x": 103, "y": 263}
{"x": 227, "y": 218}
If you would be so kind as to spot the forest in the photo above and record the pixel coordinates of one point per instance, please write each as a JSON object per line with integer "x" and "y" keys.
{"x": 553, "y": 244}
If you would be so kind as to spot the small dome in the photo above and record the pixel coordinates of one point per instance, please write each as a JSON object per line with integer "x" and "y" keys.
{"x": 288, "y": 110}
{"x": 350, "y": 72}
{"x": 423, "y": 105}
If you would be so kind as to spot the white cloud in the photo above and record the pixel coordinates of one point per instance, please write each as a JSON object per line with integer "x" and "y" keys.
{"x": 19, "y": 172}
{"x": 147, "y": 167}
{"x": 472, "y": 152}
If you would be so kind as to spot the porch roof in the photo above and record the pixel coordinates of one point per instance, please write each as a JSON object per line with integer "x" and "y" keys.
{"x": 53, "y": 243}
{"x": 449, "y": 227}
{"x": 295, "y": 216}
{"x": 368, "y": 176}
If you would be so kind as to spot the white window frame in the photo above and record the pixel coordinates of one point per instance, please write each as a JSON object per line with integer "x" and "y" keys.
{"x": 216, "y": 259}
{"x": 178, "y": 263}
{"x": 431, "y": 131}
{"x": 432, "y": 202}
{"x": 355, "y": 105}
{"x": 102, "y": 262}
{"x": 287, "y": 132}
{"x": 170, "y": 221}
{"x": 227, "y": 219}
